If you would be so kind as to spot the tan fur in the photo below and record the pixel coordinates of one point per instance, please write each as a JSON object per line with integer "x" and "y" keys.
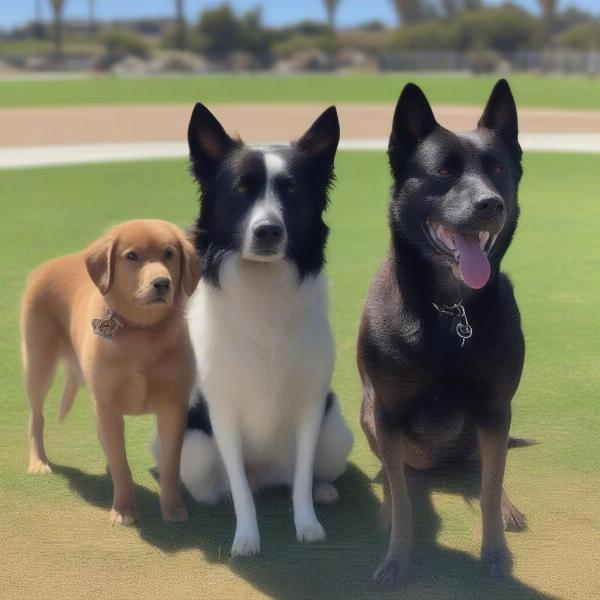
{"x": 147, "y": 368}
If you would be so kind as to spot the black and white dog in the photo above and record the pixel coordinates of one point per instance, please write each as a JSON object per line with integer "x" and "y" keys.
{"x": 259, "y": 326}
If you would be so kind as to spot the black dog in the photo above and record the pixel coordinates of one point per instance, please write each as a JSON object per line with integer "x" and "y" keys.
{"x": 440, "y": 348}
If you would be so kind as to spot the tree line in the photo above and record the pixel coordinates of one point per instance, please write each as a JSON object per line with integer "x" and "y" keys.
{"x": 439, "y": 25}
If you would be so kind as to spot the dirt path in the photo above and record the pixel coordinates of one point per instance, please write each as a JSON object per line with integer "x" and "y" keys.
{"x": 255, "y": 123}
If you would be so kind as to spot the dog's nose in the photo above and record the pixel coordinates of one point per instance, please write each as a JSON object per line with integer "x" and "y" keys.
{"x": 492, "y": 204}
{"x": 161, "y": 284}
{"x": 269, "y": 233}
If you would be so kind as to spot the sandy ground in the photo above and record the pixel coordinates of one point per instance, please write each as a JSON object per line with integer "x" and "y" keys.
{"x": 255, "y": 123}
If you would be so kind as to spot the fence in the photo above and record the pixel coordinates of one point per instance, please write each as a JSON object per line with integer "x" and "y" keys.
{"x": 545, "y": 61}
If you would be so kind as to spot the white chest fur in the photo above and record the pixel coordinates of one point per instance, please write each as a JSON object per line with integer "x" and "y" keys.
{"x": 264, "y": 351}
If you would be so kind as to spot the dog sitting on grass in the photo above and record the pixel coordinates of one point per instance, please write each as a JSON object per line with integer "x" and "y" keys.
{"x": 440, "y": 348}
{"x": 264, "y": 414}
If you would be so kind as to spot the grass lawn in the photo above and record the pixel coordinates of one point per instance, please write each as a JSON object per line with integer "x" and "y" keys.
{"x": 530, "y": 91}
{"x": 54, "y": 531}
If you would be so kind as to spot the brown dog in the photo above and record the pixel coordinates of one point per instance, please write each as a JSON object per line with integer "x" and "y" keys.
{"x": 114, "y": 313}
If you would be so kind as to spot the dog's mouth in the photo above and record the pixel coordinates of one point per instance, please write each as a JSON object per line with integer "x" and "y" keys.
{"x": 153, "y": 300}
{"x": 263, "y": 255}
{"x": 469, "y": 249}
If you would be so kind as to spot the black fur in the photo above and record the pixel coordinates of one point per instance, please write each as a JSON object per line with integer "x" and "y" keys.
{"x": 418, "y": 380}
{"x": 223, "y": 166}
{"x": 329, "y": 402}
{"x": 198, "y": 417}
{"x": 402, "y": 336}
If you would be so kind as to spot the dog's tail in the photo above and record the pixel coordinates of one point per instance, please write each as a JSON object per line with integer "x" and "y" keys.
{"x": 515, "y": 442}
{"x": 68, "y": 394}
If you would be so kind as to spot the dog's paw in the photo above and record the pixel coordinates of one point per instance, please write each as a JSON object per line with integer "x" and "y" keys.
{"x": 325, "y": 493}
{"x": 174, "y": 513}
{"x": 391, "y": 572}
{"x": 245, "y": 543}
{"x": 309, "y": 532}
{"x": 497, "y": 562}
{"x": 39, "y": 467}
{"x": 512, "y": 517}
{"x": 122, "y": 516}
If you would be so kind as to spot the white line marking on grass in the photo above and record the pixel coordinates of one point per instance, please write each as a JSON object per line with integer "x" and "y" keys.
{"x": 51, "y": 156}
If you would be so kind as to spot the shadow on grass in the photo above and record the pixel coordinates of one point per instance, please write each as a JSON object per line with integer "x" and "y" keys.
{"x": 343, "y": 567}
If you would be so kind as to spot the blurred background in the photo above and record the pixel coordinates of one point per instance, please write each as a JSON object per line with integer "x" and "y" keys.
{"x": 137, "y": 37}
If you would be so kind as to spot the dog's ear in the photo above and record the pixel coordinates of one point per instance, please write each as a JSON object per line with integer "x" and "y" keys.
{"x": 99, "y": 263}
{"x": 413, "y": 121}
{"x": 209, "y": 143}
{"x": 321, "y": 139}
{"x": 189, "y": 266}
{"x": 500, "y": 116}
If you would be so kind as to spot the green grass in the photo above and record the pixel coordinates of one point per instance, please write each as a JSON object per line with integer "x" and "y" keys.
{"x": 56, "y": 541}
{"x": 530, "y": 91}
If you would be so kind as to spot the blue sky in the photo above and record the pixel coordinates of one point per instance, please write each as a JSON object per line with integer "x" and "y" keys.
{"x": 275, "y": 12}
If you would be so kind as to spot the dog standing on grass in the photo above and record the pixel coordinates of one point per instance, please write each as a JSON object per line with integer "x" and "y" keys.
{"x": 440, "y": 348}
{"x": 258, "y": 321}
{"x": 115, "y": 314}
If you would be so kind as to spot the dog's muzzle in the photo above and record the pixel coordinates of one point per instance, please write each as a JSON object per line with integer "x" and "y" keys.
{"x": 267, "y": 240}
{"x": 158, "y": 291}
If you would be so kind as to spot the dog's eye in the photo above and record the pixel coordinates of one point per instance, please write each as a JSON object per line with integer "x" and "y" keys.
{"x": 443, "y": 172}
{"x": 131, "y": 256}
{"x": 169, "y": 254}
{"x": 241, "y": 188}
{"x": 497, "y": 169}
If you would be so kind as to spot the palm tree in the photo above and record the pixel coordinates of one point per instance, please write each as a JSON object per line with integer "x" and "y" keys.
{"x": 331, "y": 7}
{"x": 409, "y": 11}
{"x": 57, "y": 11}
{"x": 548, "y": 14}
{"x": 91, "y": 14}
{"x": 180, "y": 33}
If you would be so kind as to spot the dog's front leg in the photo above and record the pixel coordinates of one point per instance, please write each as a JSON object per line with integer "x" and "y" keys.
{"x": 308, "y": 528}
{"x": 111, "y": 431}
{"x": 170, "y": 422}
{"x": 493, "y": 443}
{"x": 247, "y": 540}
{"x": 395, "y": 564}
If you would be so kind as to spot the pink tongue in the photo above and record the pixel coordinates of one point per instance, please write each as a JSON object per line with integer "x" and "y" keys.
{"x": 472, "y": 261}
